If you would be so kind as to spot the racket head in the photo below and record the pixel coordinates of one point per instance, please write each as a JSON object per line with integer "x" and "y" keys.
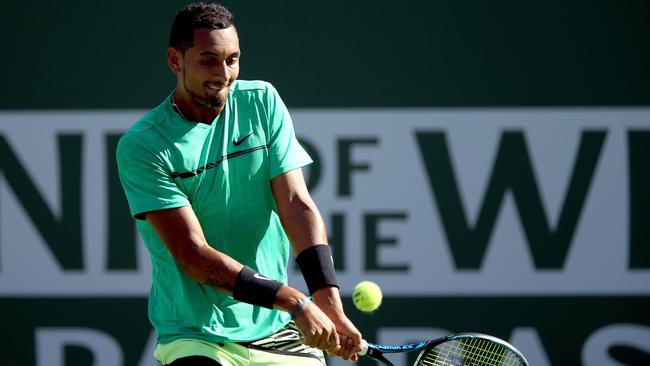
{"x": 471, "y": 349}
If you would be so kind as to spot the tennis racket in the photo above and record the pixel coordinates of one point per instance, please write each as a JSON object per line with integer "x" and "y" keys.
{"x": 473, "y": 349}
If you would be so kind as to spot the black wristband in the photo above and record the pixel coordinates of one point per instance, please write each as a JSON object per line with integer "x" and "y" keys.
{"x": 253, "y": 288}
{"x": 317, "y": 267}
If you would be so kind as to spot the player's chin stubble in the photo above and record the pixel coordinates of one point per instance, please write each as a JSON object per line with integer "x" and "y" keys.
{"x": 212, "y": 102}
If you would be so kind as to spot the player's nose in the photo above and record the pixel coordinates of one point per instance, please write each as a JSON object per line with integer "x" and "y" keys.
{"x": 221, "y": 72}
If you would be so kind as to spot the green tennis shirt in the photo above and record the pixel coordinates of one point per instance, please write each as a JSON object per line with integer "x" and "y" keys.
{"x": 223, "y": 172}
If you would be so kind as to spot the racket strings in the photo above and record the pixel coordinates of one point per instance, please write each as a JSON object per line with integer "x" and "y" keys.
{"x": 469, "y": 356}
{"x": 469, "y": 352}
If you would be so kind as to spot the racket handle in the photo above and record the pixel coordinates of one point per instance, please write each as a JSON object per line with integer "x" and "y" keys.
{"x": 364, "y": 348}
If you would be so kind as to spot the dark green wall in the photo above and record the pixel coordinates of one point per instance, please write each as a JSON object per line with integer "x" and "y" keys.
{"x": 91, "y": 54}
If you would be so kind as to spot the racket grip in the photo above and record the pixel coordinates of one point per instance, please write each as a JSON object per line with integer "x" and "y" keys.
{"x": 364, "y": 348}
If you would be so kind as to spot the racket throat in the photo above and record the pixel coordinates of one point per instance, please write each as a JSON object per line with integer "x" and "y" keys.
{"x": 379, "y": 356}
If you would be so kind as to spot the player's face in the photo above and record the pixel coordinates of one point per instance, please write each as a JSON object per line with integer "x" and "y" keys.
{"x": 210, "y": 66}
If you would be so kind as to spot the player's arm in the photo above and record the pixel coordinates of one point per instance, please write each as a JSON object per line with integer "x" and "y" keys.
{"x": 181, "y": 232}
{"x": 304, "y": 225}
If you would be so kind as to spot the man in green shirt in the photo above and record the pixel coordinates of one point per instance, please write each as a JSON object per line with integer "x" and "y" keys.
{"x": 213, "y": 178}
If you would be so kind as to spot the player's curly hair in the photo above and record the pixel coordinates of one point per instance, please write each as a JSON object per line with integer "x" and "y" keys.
{"x": 197, "y": 15}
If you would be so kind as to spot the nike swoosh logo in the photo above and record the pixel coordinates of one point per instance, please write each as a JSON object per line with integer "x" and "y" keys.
{"x": 260, "y": 277}
{"x": 237, "y": 143}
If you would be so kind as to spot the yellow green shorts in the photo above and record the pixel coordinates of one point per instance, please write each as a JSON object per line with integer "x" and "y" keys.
{"x": 281, "y": 348}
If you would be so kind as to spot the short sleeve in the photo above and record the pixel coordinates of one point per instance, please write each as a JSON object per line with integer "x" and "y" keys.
{"x": 285, "y": 152}
{"x": 147, "y": 183}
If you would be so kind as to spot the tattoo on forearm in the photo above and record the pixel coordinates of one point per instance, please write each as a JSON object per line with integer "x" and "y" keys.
{"x": 215, "y": 278}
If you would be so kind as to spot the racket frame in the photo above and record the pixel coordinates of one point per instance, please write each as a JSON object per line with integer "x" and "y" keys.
{"x": 377, "y": 351}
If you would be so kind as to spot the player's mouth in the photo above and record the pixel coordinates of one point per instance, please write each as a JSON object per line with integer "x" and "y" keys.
{"x": 216, "y": 87}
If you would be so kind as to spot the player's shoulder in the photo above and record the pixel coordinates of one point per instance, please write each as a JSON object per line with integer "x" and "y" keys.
{"x": 256, "y": 92}
{"x": 259, "y": 87}
{"x": 143, "y": 131}
{"x": 250, "y": 85}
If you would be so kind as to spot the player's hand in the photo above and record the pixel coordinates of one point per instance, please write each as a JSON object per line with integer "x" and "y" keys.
{"x": 329, "y": 301}
{"x": 349, "y": 338}
{"x": 349, "y": 350}
{"x": 317, "y": 329}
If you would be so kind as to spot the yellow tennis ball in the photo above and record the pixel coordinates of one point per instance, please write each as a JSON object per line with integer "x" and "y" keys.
{"x": 367, "y": 296}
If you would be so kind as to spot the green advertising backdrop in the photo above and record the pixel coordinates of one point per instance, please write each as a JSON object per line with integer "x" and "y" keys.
{"x": 563, "y": 335}
{"x": 90, "y": 54}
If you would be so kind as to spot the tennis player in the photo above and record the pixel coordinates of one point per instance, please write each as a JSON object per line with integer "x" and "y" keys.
{"x": 213, "y": 178}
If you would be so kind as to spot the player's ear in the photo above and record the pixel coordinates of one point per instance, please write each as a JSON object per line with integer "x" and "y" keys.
{"x": 174, "y": 60}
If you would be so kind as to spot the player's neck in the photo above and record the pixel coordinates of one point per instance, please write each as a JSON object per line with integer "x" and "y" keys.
{"x": 192, "y": 111}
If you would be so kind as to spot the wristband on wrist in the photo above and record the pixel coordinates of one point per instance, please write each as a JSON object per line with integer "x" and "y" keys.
{"x": 317, "y": 267}
{"x": 298, "y": 309}
{"x": 255, "y": 289}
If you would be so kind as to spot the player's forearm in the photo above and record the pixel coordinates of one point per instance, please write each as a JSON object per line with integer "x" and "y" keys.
{"x": 298, "y": 213}
{"x": 209, "y": 266}
{"x": 303, "y": 224}
{"x": 288, "y": 299}
{"x": 206, "y": 265}
{"x": 181, "y": 232}
{"x": 328, "y": 298}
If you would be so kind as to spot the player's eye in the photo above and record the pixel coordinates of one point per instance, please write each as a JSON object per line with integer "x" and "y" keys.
{"x": 233, "y": 61}
{"x": 208, "y": 61}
